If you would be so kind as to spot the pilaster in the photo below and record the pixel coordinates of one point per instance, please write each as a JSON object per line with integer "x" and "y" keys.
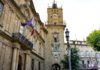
{"x": 28, "y": 60}
{"x": 15, "y": 56}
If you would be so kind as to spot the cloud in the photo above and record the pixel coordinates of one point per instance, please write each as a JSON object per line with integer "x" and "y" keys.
{"x": 81, "y": 16}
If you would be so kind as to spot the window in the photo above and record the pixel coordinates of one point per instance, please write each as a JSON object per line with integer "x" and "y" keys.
{"x": 39, "y": 66}
{"x": 33, "y": 41}
{"x": 88, "y": 62}
{"x": 83, "y": 62}
{"x": 1, "y": 8}
{"x": 55, "y": 37}
{"x": 26, "y": 13}
{"x": 1, "y": 13}
{"x": 21, "y": 29}
{"x": 32, "y": 65}
{"x": 40, "y": 47}
{"x": 54, "y": 23}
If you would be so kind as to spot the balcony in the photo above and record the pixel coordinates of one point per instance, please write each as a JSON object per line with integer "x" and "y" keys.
{"x": 18, "y": 37}
{"x": 88, "y": 67}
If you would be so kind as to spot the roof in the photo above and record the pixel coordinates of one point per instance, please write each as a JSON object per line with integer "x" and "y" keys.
{"x": 54, "y": 5}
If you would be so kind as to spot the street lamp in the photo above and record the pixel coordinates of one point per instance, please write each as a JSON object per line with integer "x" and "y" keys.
{"x": 69, "y": 49}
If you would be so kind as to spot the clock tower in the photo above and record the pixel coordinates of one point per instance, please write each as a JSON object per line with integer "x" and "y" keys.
{"x": 55, "y": 15}
{"x": 55, "y": 49}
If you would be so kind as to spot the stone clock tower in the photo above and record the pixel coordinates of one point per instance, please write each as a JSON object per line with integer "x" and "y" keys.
{"x": 55, "y": 49}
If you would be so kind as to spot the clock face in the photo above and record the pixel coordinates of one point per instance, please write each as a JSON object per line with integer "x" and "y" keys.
{"x": 55, "y": 16}
{"x": 1, "y": 8}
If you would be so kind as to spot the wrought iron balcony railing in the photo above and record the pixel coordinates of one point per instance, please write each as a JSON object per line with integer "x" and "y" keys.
{"x": 21, "y": 39}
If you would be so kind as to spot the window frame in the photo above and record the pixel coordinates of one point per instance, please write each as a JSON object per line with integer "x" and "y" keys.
{"x": 2, "y": 8}
{"x": 1, "y": 14}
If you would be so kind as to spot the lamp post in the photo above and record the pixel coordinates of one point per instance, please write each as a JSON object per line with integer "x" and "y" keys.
{"x": 69, "y": 49}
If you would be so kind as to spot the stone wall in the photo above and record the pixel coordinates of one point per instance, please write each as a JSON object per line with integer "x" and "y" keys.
{"x": 15, "y": 55}
{"x": 5, "y": 54}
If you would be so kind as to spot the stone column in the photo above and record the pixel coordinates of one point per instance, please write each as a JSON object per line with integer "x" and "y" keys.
{"x": 28, "y": 60}
{"x": 15, "y": 56}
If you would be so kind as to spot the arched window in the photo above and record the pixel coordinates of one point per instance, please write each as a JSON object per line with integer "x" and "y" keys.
{"x": 56, "y": 67}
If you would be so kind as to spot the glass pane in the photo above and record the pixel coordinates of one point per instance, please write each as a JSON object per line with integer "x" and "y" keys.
{"x": 21, "y": 29}
{"x": 1, "y": 8}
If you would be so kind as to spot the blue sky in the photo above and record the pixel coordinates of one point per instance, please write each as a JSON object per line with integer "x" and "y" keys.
{"x": 81, "y": 16}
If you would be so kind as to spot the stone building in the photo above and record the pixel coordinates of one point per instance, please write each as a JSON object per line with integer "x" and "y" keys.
{"x": 55, "y": 39}
{"x": 19, "y": 50}
{"x": 89, "y": 59}
{"x": 56, "y": 48}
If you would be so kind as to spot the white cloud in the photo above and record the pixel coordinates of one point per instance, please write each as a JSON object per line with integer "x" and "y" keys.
{"x": 81, "y": 16}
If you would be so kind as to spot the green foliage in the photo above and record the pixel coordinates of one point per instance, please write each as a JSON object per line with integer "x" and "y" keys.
{"x": 65, "y": 62}
{"x": 74, "y": 60}
{"x": 93, "y": 40}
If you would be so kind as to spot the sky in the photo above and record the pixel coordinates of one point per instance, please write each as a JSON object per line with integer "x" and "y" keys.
{"x": 81, "y": 16}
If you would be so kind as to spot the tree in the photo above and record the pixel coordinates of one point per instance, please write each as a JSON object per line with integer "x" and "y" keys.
{"x": 74, "y": 60}
{"x": 93, "y": 40}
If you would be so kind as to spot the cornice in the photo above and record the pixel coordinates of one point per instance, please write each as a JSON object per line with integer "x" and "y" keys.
{"x": 55, "y": 25}
{"x": 37, "y": 55}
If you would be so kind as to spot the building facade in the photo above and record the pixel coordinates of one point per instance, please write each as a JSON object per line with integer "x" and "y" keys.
{"x": 55, "y": 39}
{"x": 19, "y": 50}
{"x": 56, "y": 48}
{"x": 89, "y": 59}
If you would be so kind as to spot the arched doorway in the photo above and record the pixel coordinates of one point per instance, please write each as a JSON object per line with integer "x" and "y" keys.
{"x": 55, "y": 67}
{"x": 19, "y": 63}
